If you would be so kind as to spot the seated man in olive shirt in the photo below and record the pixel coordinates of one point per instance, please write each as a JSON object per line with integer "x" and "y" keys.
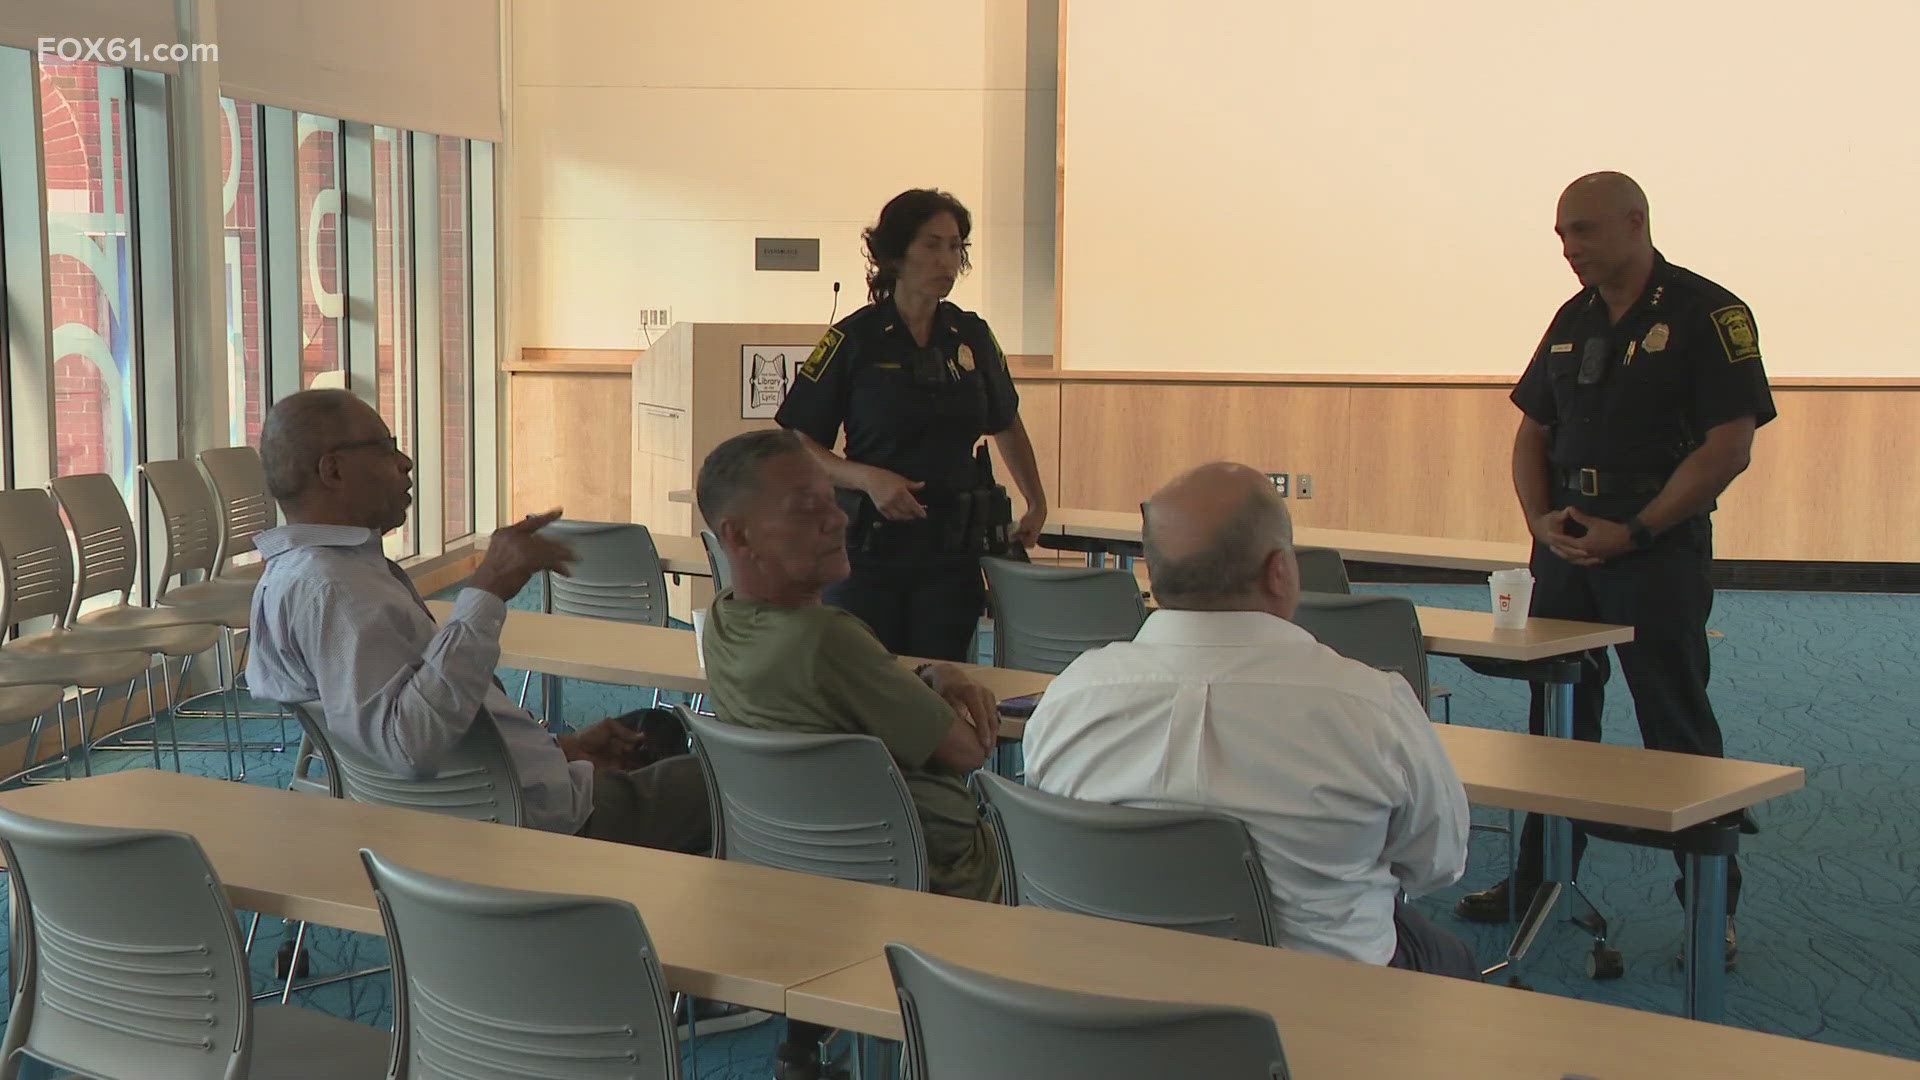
{"x": 777, "y": 658}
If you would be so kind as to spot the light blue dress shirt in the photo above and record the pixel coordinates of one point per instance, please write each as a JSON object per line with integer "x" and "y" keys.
{"x": 334, "y": 620}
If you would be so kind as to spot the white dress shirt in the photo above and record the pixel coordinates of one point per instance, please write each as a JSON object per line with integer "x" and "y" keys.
{"x": 1333, "y": 765}
{"x": 334, "y": 620}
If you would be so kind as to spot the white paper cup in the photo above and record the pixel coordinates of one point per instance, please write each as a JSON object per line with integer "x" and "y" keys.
{"x": 1512, "y": 595}
{"x": 700, "y": 636}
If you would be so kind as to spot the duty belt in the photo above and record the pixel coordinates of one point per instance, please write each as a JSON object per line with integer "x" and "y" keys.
{"x": 1596, "y": 482}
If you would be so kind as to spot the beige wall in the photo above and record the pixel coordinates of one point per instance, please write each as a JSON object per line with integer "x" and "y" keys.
{"x": 1324, "y": 186}
{"x": 652, "y": 141}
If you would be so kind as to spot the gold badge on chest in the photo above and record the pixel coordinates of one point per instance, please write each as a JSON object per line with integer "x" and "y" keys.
{"x": 1656, "y": 338}
{"x": 966, "y": 358}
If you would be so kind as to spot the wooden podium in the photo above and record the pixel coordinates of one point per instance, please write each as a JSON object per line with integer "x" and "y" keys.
{"x": 700, "y": 384}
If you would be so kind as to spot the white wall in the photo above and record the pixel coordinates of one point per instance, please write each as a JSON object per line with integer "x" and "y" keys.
{"x": 651, "y": 141}
{"x": 1323, "y": 186}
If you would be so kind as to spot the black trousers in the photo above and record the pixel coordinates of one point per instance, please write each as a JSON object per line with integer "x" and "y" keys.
{"x": 1665, "y": 594}
{"x": 928, "y": 610}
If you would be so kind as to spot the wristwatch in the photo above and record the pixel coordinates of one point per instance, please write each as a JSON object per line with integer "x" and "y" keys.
{"x": 1642, "y": 536}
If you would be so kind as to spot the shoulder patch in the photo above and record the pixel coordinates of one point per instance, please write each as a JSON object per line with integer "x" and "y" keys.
{"x": 823, "y": 353}
{"x": 1737, "y": 335}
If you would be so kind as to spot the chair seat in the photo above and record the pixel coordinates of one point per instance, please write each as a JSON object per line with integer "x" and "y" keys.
{"x": 292, "y": 1043}
{"x": 19, "y": 703}
{"x": 224, "y": 599}
{"x": 188, "y": 640}
{"x": 134, "y": 617}
{"x": 91, "y": 671}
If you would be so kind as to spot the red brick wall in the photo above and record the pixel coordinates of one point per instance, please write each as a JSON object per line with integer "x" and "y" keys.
{"x": 455, "y": 369}
{"x": 76, "y": 182}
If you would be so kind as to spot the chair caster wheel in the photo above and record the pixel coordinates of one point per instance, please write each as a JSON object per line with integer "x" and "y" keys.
{"x": 285, "y": 960}
{"x": 1605, "y": 963}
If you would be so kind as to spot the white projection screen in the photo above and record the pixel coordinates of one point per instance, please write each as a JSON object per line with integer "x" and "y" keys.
{"x": 1331, "y": 186}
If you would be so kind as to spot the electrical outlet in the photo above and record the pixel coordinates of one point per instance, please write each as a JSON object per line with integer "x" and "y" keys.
{"x": 1279, "y": 482}
{"x": 655, "y": 320}
{"x": 1305, "y": 490}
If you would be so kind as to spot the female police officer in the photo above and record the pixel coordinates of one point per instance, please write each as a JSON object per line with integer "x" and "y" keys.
{"x": 916, "y": 382}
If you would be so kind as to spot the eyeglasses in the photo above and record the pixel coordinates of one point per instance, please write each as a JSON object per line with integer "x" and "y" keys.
{"x": 390, "y": 444}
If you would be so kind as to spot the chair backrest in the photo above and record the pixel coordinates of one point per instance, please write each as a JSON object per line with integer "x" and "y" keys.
{"x": 106, "y": 551}
{"x": 616, "y": 573}
{"x": 502, "y": 982}
{"x": 717, "y": 561}
{"x": 240, "y": 485}
{"x": 1379, "y": 631}
{"x": 834, "y": 805}
{"x": 36, "y": 567}
{"x": 1322, "y": 570}
{"x": 1188, "y": 870}
{"x": 133, "y": 964}
{"x": 1044, "y": 616}
{"x": 188, "y": 516}
{"x": 962, "y": 1024}
{"x": 477, "y": 780}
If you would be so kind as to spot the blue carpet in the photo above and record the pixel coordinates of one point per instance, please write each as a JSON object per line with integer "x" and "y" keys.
{"x": 1826, "y": 946}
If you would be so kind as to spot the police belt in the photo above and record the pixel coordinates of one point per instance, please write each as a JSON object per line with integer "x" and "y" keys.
{"x": 1600, "y": 482}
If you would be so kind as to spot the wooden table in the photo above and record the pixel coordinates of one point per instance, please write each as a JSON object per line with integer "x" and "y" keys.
{"x": 684, "y": 555}
{"x": 627, "y": 654}
{"x": 810, "y": 946}
{"x": 1120, "y": 529}
{"x": 1347, "y": 1021}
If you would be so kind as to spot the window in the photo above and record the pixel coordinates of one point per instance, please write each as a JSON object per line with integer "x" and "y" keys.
{"x": 246, "y": 337}
{"x": 90, "y": 266}
{"x": 456, "y": 340}
{"x": 317, "y": 161}
{"x": 393, "y": 361}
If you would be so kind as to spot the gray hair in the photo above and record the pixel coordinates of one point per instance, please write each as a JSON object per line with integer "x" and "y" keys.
{"x": 1228, "y": 568}
{"x": 298, "y": 431}
{"x": 732, "y": 470}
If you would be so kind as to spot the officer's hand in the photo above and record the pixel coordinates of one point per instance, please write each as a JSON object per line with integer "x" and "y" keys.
{"x": 1604, "y": 539}
{"x": 893, "y": 494}
{"x": 516, "y": 552}
{"x": 1551, "y": 530}
{"x": 1027, "y": 533}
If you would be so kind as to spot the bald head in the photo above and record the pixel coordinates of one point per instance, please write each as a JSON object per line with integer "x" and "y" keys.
{"x": 299, "y": 428}
{"x": 330, "y": 459}
{"x": 1219, "y": 539}
{"x": 1602, "y": 223}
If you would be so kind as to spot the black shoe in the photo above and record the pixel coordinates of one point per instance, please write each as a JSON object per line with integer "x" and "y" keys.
{"x": 1490, "y": 905}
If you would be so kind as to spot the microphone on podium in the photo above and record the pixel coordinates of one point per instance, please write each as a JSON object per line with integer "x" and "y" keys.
{"x": 836, "y": 304}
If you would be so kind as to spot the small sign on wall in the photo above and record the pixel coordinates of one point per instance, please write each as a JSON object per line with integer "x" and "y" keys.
{"x": 766, "y": 371}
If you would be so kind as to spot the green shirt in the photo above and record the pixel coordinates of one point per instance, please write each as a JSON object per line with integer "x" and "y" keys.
{"x": 819, "y": 669}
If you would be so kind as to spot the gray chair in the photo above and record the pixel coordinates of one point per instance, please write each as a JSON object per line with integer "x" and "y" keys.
{"x": 717, "y": 561}
{"x": 616, "y": 574}
{"x": 834, "y": 805}
{"x": 1188, "y": 870}
{"x": 477, "y": 780}
{"x": 240, "y": 486}
{"x": 1379, "y": 631}
{"x": 961, "y": 1024}
{"x": 493, "y": 982}
{"x": 1322, "y": 570}
{"x": 1045, "y": 616}
{"x": 132, "y": 968}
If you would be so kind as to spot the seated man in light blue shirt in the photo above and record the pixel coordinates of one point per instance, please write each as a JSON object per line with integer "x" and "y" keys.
{"x": 335, "y": 621}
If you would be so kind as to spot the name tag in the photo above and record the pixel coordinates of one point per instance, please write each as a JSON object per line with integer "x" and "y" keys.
{"x": 1565, "y": 346}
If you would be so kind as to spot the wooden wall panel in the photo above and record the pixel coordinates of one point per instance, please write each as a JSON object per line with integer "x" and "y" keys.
{"x": 1433, "y": 461}
{"x": 1040, "y": 410}
{"x": 1121, "y": 441}
{"x": 571, "y": 438}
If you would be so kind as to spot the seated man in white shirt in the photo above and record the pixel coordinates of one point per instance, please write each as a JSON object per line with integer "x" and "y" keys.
{"x": 335, "y": 621}
{"x": 1220, "y": 703}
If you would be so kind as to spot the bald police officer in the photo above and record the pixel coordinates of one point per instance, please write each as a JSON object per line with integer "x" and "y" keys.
{"x": 1639, "y": 408}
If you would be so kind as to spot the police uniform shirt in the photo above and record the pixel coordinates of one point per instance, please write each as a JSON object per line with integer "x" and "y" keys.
{"x": 1641, "y": 395}
{"x": 917, "y": 411}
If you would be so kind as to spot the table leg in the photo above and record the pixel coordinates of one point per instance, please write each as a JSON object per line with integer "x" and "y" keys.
{"x": 1097, "y": 559}
{"x": 1706, "y": 945}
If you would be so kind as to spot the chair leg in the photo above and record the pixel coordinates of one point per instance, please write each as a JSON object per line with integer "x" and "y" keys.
{"x": 153, "y": 711}
{"x": 293, "y": 968}
{"x": 526, "y": 684}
